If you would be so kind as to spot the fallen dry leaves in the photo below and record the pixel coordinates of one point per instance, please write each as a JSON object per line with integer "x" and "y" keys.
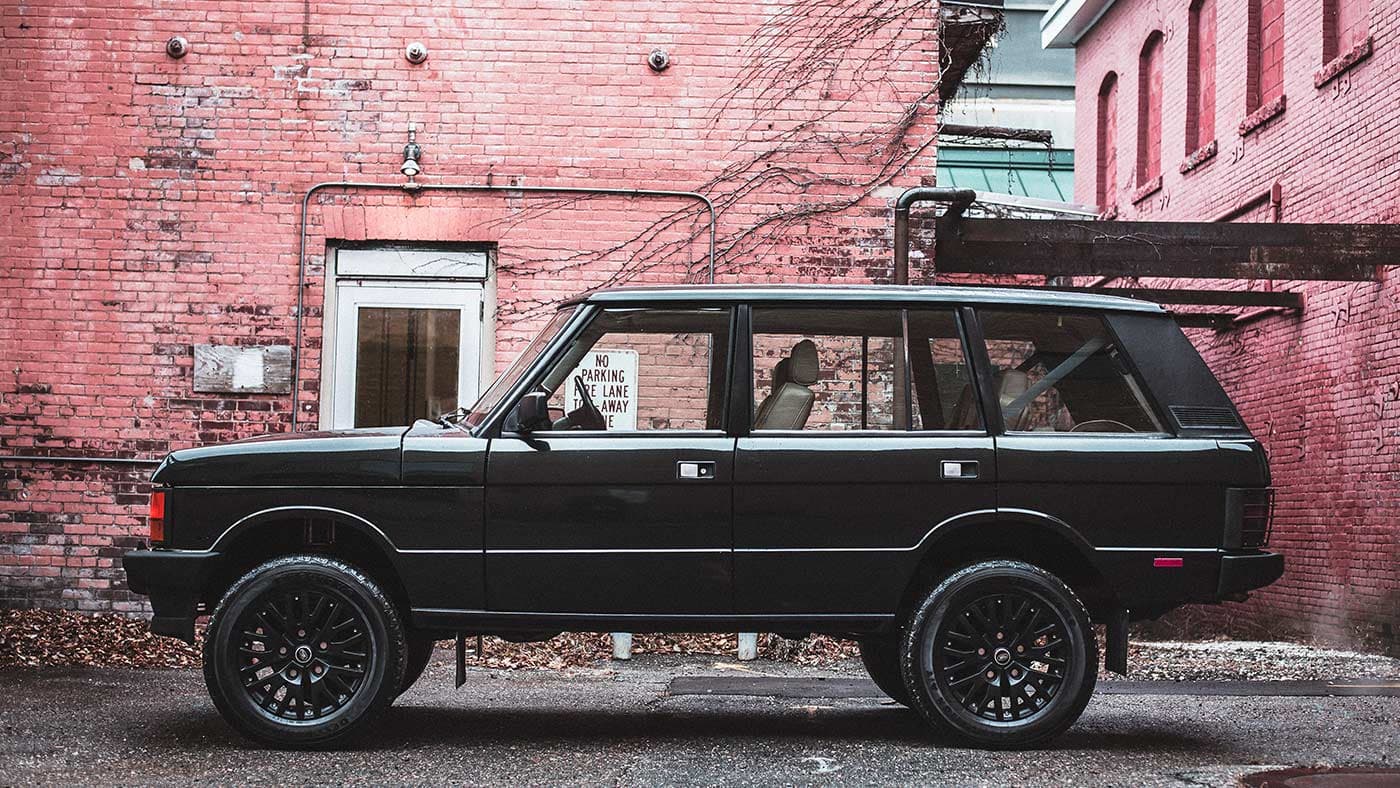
{"x": 36, "y": 638}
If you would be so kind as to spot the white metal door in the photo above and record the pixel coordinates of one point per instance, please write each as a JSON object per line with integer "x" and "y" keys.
{"x": 404, "y": 351}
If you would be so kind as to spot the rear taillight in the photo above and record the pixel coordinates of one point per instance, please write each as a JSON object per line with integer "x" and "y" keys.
{"x": 1256, "y": 517}
{"x": 156, "y": 517}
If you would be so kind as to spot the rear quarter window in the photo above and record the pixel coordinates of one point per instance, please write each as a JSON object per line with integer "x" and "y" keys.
{"x": 1063, "y": 371}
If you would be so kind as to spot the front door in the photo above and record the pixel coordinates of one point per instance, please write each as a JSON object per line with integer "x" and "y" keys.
{"x": 621, "y": 506}
{"x": 404, "y": 351}
{"x": 854, "y": 458}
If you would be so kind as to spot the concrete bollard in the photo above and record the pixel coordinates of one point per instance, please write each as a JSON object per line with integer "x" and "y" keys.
{"x": 748, "y": 646}
{"x": 622, "y": 645}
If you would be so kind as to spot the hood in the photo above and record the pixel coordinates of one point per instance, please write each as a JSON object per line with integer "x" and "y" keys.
{"x": 362, "y": 456}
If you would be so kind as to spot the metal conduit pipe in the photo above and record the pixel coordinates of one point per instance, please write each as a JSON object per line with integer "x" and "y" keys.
{"x": 77, "y": 458}
{"x": 411, "y": 187}
{"x": 957, "y": 200}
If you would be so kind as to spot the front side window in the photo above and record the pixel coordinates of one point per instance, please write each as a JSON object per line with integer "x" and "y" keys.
{"x": 640, "y": 369}
{"x": 826, "y": 369}
{"x": 1062, "y": 372}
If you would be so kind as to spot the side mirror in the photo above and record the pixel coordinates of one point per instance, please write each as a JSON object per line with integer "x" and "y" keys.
{"x": 530, "y": 413}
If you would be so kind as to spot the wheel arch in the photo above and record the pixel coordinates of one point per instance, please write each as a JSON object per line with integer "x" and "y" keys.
{"x": 269, "y": 533}
{"x": 1037, "y": 538}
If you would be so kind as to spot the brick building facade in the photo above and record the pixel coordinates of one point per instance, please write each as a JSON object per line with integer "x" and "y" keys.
{"x": 1268, "y": 111}
{"x": 151, "y": 204}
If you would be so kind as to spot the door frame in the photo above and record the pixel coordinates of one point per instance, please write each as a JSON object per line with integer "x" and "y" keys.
{"x": 389, "y": 270}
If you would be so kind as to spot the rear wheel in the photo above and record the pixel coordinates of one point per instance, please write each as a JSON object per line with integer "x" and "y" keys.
{"x": 1001, "y": 652}
{"x": 303, "y": 651}
{"x": 881, "y": 659}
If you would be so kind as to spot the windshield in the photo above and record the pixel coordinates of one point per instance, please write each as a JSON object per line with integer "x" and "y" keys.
{"x": 522, "y": 362}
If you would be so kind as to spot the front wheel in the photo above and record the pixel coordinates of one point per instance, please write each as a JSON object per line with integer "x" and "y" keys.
{"x": 1002, "y": 653}
{"x": 303, "y": 651}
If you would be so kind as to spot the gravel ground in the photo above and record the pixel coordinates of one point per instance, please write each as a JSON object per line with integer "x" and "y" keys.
{"x": 616, "y": 725}
{"x": 1250, "y": 661}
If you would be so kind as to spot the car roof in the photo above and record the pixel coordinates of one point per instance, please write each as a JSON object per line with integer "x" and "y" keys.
{"x": 855, "y": 294}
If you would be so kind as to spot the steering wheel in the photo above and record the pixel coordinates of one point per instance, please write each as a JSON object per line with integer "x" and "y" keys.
{"x": 1101, "y": 425}
{"x": 586, "y": 416}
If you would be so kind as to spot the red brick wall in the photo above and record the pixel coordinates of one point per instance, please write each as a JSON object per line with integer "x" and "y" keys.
{"x": 1322, "y": 390}
{"x": 151, "y": 204}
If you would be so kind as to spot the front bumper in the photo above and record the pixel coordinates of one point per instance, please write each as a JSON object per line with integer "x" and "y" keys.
{"x": 175, "y": 582}
{"x": 1241, "y": 573}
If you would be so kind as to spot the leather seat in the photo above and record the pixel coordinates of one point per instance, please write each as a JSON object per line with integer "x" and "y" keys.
{"x": 1010, "y": 383}
{"x": 790, "y": 402}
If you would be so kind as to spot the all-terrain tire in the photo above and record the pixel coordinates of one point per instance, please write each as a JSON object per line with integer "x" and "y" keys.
{"x": 303, "y": 652}
{"x": 1000, "y": 652}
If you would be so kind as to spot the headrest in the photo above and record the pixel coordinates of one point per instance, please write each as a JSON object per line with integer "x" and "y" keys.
{"x": 804, "y": 363}
{"x": 1011, "y": 383}
{"x": 782, "y": 373}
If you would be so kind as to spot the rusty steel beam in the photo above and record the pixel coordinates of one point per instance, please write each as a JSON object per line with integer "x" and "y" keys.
{"x": 1204, "y": 250}
{"x": 1219, "y": 321}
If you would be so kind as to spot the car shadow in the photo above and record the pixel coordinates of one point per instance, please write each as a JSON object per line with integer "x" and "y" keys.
{"x": 409, "y": 727}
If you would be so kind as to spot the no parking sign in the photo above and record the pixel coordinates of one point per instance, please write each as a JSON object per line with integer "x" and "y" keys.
{"x": 611, "y": 379}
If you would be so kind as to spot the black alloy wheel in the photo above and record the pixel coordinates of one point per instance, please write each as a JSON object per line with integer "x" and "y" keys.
{"x": 1001, "y": 652}
{"x": 303, "y": 651}
{"x": 1002, "y": 656}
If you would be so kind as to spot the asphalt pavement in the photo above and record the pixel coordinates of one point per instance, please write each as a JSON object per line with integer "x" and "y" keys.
{"x": 620, "y": 725}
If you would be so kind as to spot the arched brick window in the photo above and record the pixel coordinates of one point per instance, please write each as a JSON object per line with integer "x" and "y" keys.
{"x": 1149, "y": 125}
{"x": 1344, "y": 26}
{"x": 1106, "y": 164}
{"x": 1265, "y": 78}
{"x": 1200, "y": 76}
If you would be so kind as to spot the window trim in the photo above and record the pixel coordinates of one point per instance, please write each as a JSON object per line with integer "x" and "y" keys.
{"x": 989, "y": 395}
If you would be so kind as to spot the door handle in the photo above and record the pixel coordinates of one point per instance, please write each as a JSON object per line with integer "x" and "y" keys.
{"x": 959, "y": 469}
{"x": 692, "y": 470}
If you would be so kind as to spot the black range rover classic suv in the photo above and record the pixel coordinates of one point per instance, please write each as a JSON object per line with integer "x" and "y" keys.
{"x": 962, "y": 479}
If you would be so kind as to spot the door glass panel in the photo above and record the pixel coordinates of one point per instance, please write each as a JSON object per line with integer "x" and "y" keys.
{"x": 826, "y": 369}
{"x": 406, "y": 364}
{"x": 642, "y": 370}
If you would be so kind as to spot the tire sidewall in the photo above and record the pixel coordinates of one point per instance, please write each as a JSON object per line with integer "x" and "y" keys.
{"x": 380, "y": 683}
{"x": 976, "y": 580}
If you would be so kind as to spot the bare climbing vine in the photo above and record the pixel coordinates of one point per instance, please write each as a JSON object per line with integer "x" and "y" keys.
{"x": 798, "y": 161}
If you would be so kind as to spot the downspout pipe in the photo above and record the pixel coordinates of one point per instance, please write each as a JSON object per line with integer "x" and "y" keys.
{"x": 957, "y": 200}
{"x": 413, "y": 187}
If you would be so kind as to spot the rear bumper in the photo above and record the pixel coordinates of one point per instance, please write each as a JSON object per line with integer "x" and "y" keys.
{"x": 1241, "y": 573}
{"x": 175, "y": 582}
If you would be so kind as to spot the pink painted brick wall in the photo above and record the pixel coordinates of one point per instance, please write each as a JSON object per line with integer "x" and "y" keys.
{"x": 1322, "y": 390}
{"x": 151, "y": 204}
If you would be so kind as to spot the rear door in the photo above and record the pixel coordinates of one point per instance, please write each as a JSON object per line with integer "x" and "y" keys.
{"x": 870, "y": 450}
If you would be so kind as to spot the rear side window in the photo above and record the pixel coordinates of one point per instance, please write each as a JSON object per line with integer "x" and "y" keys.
{"x": 1062, "y": 372}
{"x": 826, "y": 369}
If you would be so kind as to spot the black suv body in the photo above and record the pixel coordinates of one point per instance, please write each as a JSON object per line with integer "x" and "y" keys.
{"x": 963, "y": 479}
